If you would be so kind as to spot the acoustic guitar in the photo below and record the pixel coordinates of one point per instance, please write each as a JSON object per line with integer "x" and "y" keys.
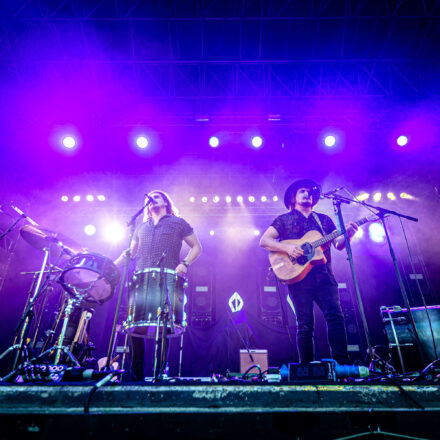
{"x": 291, "y": 270}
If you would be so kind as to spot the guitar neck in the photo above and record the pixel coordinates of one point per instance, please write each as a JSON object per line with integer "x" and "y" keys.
{"x": 336, "y": 234}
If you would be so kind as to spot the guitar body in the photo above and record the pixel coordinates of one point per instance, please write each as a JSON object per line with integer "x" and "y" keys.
{"x": 289, "y": 270}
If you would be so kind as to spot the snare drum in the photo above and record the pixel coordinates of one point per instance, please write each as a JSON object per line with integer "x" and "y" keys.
{"x": 91, "y": 275}
{"x": 145, "y": 298}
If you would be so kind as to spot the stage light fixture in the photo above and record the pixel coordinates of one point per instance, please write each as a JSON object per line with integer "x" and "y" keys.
{"x": 90, "y": 198}
{"x": 142, "y": 142}
{"x": 240, "y": 199}
{"x": 216, "y": 199}
{"x": 64, "y": 198}
{"x": 376, "y": 232}
{"x": 214, "y": 141}
{"x": 263, "y": 199}
{"x": 377, "y": 197}
{"x": 407, "y": 196}
{"x": 90, "y": 230}
{"x": 211, "y": 232}
{"x": 76, "y": 198}
{"x": 330, "y": 141}
{"x": 256, "y": 232}
{"x": 228, "y": 199}
{"x": 402, "y": 140}
{"x": 363, "y": 196}
{"x": 257, "y": 141}
{"x": 251, "y": 199}
{"x": 391, "y": 196}
{"x": 101, "y": 197}
{"x": 114, "y": 232}
{"x": 192, "y": 199}
{"x": 69, "y": 142}
{"x": 275, "y": 198}
{"x": 204, "y": 199}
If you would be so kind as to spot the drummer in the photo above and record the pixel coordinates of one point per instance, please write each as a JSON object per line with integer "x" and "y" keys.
{"x": 158, "y": 240}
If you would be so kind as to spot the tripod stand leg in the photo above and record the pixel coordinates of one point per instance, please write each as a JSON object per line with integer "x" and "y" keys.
{"x": 156, "y": 341}
{"x": 181, "y": 354}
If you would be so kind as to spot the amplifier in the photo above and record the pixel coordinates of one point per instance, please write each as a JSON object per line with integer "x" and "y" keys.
{"x": 252, "y": 357}
{"x": 398, "y": 328}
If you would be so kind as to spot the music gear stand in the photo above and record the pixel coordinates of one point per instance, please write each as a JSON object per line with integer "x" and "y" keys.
{"x": 381, "y": 213}
{"x": 130, "y": 225}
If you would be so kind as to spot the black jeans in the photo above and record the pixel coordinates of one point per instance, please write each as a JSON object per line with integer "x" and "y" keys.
{"x": 322, "y": 289}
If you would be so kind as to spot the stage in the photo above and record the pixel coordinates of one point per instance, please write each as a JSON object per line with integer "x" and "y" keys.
{"x": 199, "y": 409}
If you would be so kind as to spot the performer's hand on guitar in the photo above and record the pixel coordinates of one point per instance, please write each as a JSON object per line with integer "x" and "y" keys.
{"x": 293, "y": 251}
{"x": 351, "y": 228}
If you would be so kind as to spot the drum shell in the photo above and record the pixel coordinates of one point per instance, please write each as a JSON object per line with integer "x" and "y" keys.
{"x": 146, "y": 296}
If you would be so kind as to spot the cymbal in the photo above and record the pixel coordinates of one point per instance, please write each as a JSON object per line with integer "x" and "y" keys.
{"x": 40, "y": 238}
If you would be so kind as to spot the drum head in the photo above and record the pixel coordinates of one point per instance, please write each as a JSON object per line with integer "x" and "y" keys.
{"x": 92, "y": 276}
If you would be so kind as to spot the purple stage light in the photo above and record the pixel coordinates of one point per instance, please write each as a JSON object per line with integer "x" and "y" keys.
{"x": 64, "y": 198}
{"x": 101, "y": 198}
{"x": 391, "y": 196}
{"x": 251, "y": 199}
{"x": 90, "y": 230}
{"x": 402, "y": 140}
{"x": 204, "y": 199}
{"x": 69, "y": 142}
{"x": 114, "y": 232}
{"x": 192, "y": 199}
{"x": 216, "y": 199}
{"x": 90, "y": 198}
{"x": 275, "y": 198}
{"x": 256, "y": 232}
{"x": 76, "y": 198}
{"x": 142, "y": 142}
{"x": 376, "y": 232}
{"x": 211, "y": 232}
{"x": 240, "y": 199}
{"x": 228, "y": 199}
{"x": 257, "y": 141}
{"x": 330, "y": 140}
{"x": 214, "y": 141}
{"x": 263, "y": 199}
{"x": 377, "y": 197}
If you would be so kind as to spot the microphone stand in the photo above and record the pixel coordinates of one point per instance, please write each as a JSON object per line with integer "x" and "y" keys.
{"x": 382, "y": 212}
{"x": 130, "y": 225}
{"x": 337, "y": 201}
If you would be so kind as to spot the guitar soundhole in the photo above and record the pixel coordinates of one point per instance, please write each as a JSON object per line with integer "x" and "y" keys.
{"x": 302, "y": 260}
{"x": 307, "y": 248}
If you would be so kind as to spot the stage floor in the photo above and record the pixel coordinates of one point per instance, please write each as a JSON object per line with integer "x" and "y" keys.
{"x": 215, "y": 411}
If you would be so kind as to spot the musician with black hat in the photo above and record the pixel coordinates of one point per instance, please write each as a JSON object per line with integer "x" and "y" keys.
{"x": 319, "y": 285}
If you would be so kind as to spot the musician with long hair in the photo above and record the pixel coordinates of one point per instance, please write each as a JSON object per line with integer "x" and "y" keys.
{"x": 319, "y": 285}
{"x": 158, "y": 242}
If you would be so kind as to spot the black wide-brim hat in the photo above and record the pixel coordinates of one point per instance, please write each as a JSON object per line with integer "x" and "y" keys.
{"x": 315, "y": 190}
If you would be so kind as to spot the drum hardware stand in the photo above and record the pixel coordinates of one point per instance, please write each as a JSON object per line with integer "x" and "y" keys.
{"x": 25, "y": 320}
{"x": 163, "y": 316}
{"x": 130, "y": 225}
{"x": 59, "y": 347}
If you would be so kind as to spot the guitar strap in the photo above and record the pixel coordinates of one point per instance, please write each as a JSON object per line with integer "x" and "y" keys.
{"x": 316, "y": 217}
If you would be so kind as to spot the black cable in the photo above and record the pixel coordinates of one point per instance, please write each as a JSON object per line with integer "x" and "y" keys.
{"x": 95, "y": 388}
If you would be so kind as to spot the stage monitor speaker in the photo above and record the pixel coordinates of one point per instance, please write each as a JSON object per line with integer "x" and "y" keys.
{"x": 252, "y": 357}
{"x": 397, "y": 325}
{"x": 270, "y": 306}
{"x": 202, "y": 311}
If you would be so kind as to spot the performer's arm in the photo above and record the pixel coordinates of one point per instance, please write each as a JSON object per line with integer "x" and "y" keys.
{"x": 128, "y": 253}
{"x": 339, "y": 242}
{"x": 269, "y": 242}
{"x": 195, "y": 249}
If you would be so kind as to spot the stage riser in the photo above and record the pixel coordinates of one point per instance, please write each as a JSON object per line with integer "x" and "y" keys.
{"x": 214, "y": 398}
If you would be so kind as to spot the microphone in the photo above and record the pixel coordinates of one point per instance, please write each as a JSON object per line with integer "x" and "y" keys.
{"x": 331, "y": 192}
{"x": 160, "y": 261}
{"x": 149, "y": 199}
